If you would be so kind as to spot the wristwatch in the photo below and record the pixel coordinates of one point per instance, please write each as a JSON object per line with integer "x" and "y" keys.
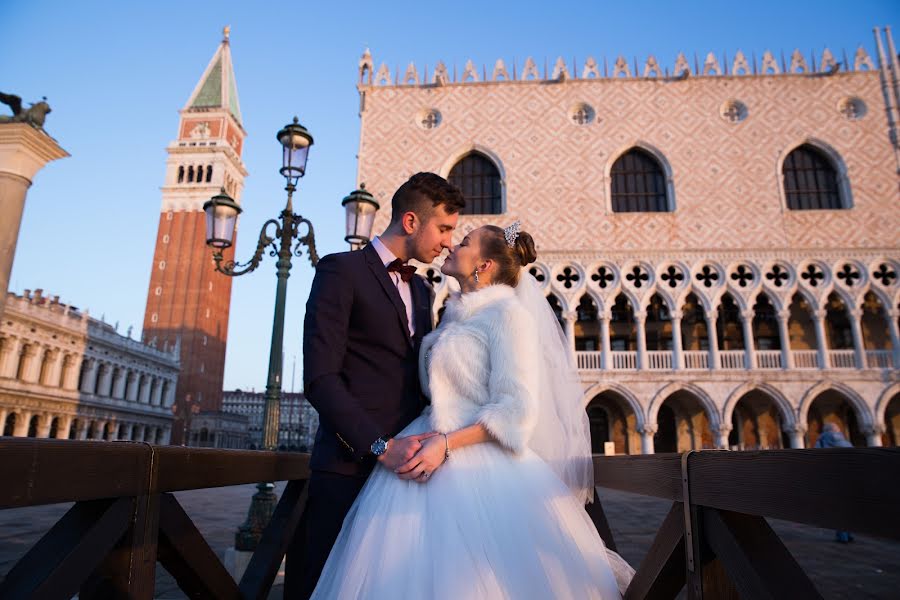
{"x": 379, "y": 446}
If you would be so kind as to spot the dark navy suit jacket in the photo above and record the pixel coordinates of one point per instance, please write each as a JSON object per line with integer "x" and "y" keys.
{"x": 360, "y": 365}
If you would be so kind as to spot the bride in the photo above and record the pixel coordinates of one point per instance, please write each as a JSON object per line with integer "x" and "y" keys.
{"x": 492, "y": 506}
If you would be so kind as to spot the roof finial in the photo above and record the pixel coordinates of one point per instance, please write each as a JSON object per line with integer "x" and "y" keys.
{"x": 226, "y": 31}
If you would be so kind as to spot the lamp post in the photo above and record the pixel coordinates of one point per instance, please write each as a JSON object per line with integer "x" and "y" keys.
{"x": 278, "y": 236}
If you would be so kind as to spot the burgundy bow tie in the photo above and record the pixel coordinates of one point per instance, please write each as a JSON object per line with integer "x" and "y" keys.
{"x": 406, "y": 271}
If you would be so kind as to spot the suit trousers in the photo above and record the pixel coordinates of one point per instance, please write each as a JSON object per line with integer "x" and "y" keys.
{"x": 330, "y": 497}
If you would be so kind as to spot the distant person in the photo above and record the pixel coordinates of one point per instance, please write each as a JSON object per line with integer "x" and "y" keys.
{"x": 833, "y": 437}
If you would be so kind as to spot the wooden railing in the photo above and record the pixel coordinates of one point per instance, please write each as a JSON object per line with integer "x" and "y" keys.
{"x": 715, "y": 538}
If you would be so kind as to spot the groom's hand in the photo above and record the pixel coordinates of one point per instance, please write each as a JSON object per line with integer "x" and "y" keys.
{"x": 400, "y": 450}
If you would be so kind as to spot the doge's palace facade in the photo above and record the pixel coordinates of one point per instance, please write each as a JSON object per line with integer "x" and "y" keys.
{"x": 66, "y": 375}
{"x": 719, "y": 239}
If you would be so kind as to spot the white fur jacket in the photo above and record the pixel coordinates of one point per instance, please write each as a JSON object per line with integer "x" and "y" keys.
{"x": 480, "y": 366}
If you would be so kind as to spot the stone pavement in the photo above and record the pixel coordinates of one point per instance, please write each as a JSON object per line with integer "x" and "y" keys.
{"x": 867, "y": 568}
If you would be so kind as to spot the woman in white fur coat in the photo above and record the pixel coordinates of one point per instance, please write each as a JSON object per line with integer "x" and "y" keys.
{"x": 476, "y": 513}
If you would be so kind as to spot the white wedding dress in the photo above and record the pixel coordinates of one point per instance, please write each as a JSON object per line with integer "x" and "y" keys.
{"x": 495, "y": 520}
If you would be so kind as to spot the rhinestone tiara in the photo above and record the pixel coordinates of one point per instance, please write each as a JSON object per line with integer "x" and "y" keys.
{"x": 511, "y": 233}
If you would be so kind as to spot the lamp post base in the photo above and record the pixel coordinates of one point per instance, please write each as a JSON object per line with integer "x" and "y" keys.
{"x": 258, "y": 516}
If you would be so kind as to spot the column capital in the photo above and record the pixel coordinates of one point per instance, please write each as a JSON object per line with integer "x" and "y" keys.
{"x": 723, "y": 428}
{"x": 640, "y": 315}
{"x": 800, "y": 428}
{"x": 25, "y": 150}
{"x": 855, "y": 312}
{"x": 784, "y": 314}
{"x": 876, "y": 429}
{"x": 747, "y": 315}
{"x": 648, "y": 428}
{"x": 570, "y": 315}
{"x": 819, "y": 314}
{"x": 676, "y": 315}
{"x": 894, "y": 313}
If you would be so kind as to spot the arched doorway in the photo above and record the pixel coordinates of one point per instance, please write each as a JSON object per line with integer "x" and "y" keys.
{"x": 757, "y": 424}
{"x": 9, "y": 427}
{"x": 33, "y": 426}
{"x": 833, "y": 406}
{"x": 612, "y": 420}
{"x": 682, "y": 424}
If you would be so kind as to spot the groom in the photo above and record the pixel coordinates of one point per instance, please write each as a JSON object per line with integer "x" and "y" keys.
{"x": 365, "y": 318}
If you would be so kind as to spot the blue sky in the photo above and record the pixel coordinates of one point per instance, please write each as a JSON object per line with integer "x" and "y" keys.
{"x": 116, "y": 74}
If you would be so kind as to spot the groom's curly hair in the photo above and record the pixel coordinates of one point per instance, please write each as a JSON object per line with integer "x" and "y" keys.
{"x": 422, "y": 193}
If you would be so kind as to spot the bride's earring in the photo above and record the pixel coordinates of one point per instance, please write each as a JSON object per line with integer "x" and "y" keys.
{"x": 476, "y": 275}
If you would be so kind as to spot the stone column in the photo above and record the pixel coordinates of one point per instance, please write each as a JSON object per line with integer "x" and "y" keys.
{"x": 873, "y": 435}
{"x": 4, "y": 412}
{"x": 89, "y": 379}
{"x": 605, "y": 353}
{"x": 784, "y": 334}
{"x": 859, "y": 345}
{"x": 65, "y": 424}
{"x": 797, "y": 434}
{"x": 156, "y": 393}
{"x": 71, "y": 371}
{"x": 84, "y": 426}
{"x": 24, "y": 150}
{"x": 569, "y": 317}
{"x": 712, "y": 338}
{"x": 27, "y": 360}
{"x": 166, "y": 436}
{"x": 749, "y": 345}
{"x": 677, "y": 349}
{"x": 722, "y": 432}
{"x": 131, "y": 386}
{"x": 893, "y": 315}
{"x": 23, "y": 420}
{"x": 144, "y": 393}
{"x": 44, "y": 423}
{"x": 137, "y": 432}
{"x": 104, "y": 381}
{"x": 640, "y": 320}
{"x": 647, "y": 431}
{"x": 9, "y": 356}
{"x": 169, "y": 398}
{"x": 821, "y": 339}
{"x": 55, "y": 372}
{"x": 118, "y": 387}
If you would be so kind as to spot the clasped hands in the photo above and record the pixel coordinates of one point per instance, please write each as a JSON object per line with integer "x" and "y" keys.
{"x": 415, "y": 457}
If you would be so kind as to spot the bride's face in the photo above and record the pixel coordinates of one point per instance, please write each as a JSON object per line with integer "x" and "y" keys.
{"x": 463, "y": 257}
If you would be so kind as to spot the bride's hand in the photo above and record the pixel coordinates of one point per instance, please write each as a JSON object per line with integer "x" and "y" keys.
{"x": 426, "y": 461}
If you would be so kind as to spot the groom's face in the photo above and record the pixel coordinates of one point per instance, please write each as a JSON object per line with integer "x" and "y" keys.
{"x": 433, "y": 234}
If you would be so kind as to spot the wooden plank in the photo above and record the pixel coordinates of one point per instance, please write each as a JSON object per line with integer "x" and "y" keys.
{"x": 656, "y": 475}
{"x": 662, "y": 572}
{"x": 835, "y": 488}
{"x": 188, "y": 558}
{"x": 50, "y": 471}
{"x": 598, "y": 517}
{"x": 755, "y": 559}
{"x": 199, "y": 468}
{"x": 263, "y": 567}
{"x": 129, "y": 571}
{"x": 63, "y": 558}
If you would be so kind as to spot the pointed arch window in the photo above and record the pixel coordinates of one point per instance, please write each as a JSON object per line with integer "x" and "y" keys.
{"x": 811, "y": 181}
{"x": 638, "y": 183}
{"x": 479, "y": 180}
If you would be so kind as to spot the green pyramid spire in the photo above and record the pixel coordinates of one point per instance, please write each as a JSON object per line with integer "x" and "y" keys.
{"x": 217, "y": 87}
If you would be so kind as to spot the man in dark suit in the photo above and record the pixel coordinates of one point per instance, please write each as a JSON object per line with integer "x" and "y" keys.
{"x": 365, "y": 318}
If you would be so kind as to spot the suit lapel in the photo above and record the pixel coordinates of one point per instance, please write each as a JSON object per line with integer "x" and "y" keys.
{"x": 421, "y": 306}
{"x": 381, "y": 274}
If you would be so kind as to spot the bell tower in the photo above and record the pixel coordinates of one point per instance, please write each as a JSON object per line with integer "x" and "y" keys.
{"x": 188, "y": 302}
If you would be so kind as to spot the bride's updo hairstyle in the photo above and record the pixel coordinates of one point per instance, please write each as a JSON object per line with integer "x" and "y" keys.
{"x": 509, "y": 260}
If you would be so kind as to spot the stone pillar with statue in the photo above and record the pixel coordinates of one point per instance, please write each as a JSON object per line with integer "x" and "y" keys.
{"x": 24, "y": 150}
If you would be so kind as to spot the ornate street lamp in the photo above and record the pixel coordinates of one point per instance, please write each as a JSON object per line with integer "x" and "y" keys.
{"x": 361, "y": 207}
{"x": 221, "y": 220}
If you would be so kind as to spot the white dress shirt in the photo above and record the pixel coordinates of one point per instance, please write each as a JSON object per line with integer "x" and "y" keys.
{"x": 387, "y": 257}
